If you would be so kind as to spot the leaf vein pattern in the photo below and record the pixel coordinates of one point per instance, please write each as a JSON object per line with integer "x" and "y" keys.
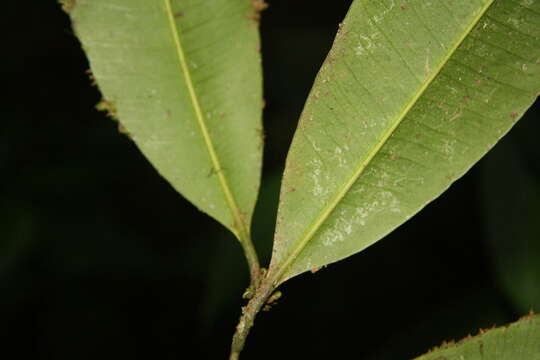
{"x": 238, "y": 226}
{"x": 327, "y": 211}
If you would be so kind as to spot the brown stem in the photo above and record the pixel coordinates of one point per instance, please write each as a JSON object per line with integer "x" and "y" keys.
{"x": 249, "y": 312}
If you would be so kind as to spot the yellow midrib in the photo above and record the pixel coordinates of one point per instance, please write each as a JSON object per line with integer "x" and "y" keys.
{"x": 308, "y": 235}
{"x": 238, "y": 227}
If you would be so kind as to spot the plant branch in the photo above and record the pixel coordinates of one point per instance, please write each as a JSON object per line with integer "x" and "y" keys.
{"x": 252, "y": 260}
{"x": 249, "y": 312}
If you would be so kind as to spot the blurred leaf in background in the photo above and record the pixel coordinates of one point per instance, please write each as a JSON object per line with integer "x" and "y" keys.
{"x": 511, "y": 202}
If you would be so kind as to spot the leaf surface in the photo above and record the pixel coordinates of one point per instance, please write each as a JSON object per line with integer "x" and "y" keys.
{"x": 183, "y": 77}
{"x": 411, "y": 95}
{"x": 518, "y": 341}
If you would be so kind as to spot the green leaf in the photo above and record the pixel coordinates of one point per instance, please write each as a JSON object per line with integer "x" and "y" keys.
{"x": 411, "y": 95}
{"x": 511, "y": 202}
{"x": 519, "y": 341}
{"x": 184, "y": 79}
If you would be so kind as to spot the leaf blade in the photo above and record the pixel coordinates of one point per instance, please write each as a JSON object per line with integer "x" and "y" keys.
{"x": 185, "y": 80}
{"x": 517, "y": 341}
{"x": 325, "y": 144}
{"x": 200, "y": 118}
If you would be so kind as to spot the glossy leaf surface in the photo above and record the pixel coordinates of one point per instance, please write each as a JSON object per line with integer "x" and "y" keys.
{"x": 183, "y": 77}
{"x": 411, "y": 95}
{"x": 519, "y": 341}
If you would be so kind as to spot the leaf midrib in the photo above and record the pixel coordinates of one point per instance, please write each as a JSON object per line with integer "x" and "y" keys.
{"x": 238, "y": 227}
{"x": 327, "y": 211}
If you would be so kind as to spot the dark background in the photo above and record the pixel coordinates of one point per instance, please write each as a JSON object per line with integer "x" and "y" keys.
{"x": 101, "y": 259}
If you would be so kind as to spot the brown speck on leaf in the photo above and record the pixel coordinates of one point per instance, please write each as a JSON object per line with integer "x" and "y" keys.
{"x": 514, "y": 115}
{"x": 178, "y": 14}
{"x": 108, "y": 107}
{"x": 258, "y": 6}
{"x": 274, "y": 298}
{"x": 261, "y": 136}
{"x": 483, "y": 331}
{"x": 91, "y": 77}
{"x": 404, "y": 6}
{"x": 530, "y": 316}
{"x": 68, "y": 5}
{"x": 123, "y": 130}
{"x": 314, "y": 270}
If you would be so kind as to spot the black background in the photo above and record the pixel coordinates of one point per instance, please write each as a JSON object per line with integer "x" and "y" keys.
{"x": 100, "y": 258}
